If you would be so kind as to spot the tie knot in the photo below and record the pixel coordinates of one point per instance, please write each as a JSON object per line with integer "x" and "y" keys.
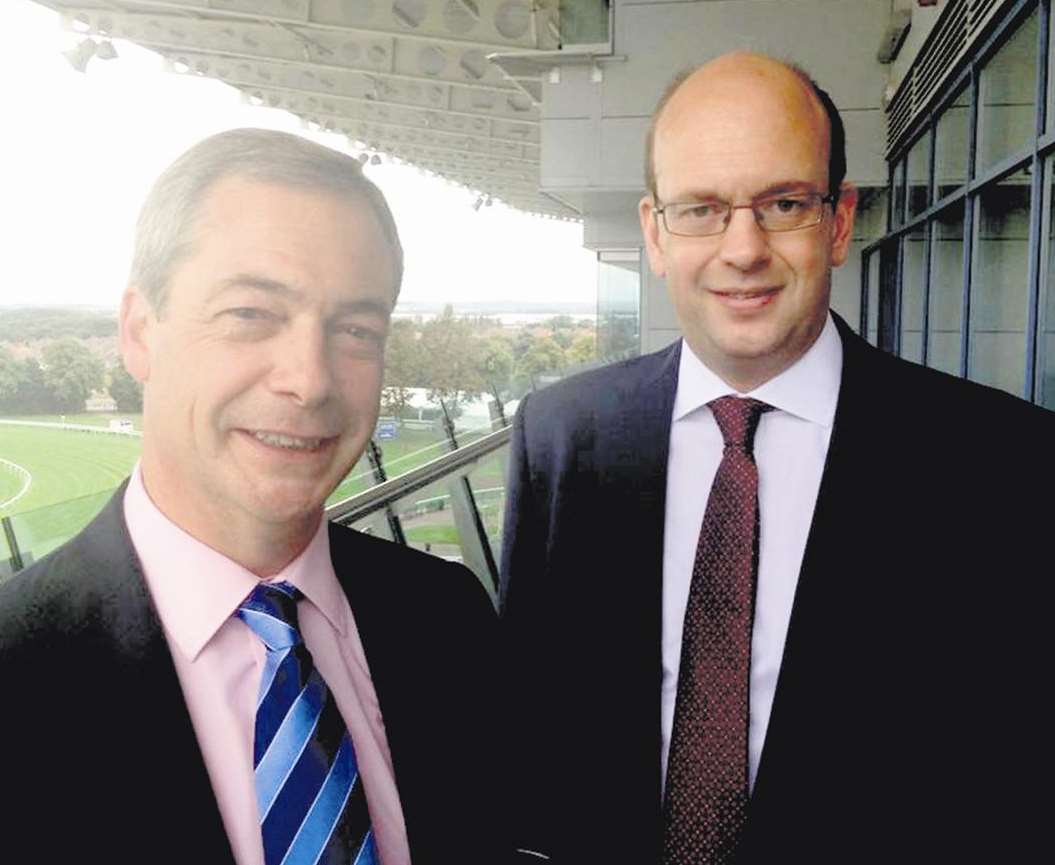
{"x": 271, "y": 613}
{"x": 738, "y": 419}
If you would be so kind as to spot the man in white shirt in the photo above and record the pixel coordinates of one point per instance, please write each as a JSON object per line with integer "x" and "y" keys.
{"x": 210, "y": 672}
{"x": 770, "y": 642}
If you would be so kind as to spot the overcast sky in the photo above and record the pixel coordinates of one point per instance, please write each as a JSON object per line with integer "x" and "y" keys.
{"x": 79, "y": 151}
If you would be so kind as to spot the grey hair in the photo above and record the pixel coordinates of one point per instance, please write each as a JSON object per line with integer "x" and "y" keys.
{"x": 164, "y": 230}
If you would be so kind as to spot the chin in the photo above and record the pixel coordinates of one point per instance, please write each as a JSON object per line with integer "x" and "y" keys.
{"x": 285, "y": 503}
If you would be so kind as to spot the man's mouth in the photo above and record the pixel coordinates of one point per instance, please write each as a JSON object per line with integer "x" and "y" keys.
{"x": 289, "y": 442}
{"x": 747, "y": 299}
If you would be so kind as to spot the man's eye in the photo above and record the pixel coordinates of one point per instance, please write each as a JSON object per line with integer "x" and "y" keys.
{"x": 362, "y": 334}
{"x": 249, "y": 313}
{"x": 784, "y": 205}
{"x": 700, "y": 211}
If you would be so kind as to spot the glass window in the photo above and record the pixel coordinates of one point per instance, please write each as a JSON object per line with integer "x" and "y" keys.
{"x": 999, "y": 285}
{"x": 488, "y": 479}
{"x": 873, "y": 298}
{"x": 912, "y": 272}
{"x": 582, "y": 22}
{"x": 618, "y": 303}
{"x": 1007, "y": 97}
{"x": 944, "y": 322}
{"x": 870, "y": 218}
{"x": 898, "y": 213}
{"x": 918, "y": 171}
{"x": 950, "y": 146}
{"x": 428, "y": 518}
{"x": 1046, "y": 366}
{"x": 1050, "y": 119}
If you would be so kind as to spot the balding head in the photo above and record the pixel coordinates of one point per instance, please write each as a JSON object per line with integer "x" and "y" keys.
{"x": 734, "y": 76}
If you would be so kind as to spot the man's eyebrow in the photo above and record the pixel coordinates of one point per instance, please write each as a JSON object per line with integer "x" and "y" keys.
{"x": 781, "y": 186}
{"x": 794, "y": 186}
{"x": 260, "y": 283}
{"x": 367, "y": 305}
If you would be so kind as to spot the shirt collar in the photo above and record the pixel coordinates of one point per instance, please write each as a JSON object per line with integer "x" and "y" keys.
{"x": 196, "y": 589}
{"x": 808, "y": 389}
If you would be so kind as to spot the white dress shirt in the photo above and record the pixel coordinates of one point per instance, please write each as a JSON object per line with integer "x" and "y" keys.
{"x": 791, "y": 445}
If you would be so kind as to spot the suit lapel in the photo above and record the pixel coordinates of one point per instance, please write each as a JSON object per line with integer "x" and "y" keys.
{"x": 147, "y": 737}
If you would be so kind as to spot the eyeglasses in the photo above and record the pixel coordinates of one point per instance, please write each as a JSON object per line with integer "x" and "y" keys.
{"x": 772, "y": 213}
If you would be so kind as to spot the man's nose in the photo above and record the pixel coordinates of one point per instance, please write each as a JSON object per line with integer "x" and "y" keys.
{"x": 745, "y": 244}
{"x": 301, "y": 369}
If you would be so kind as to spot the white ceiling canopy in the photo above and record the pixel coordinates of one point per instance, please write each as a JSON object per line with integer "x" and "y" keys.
{"x": 407, "y": 78}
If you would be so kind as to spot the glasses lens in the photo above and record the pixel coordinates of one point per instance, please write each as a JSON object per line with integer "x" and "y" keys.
{"x": 696, "y": 218}
{"x": 788, "y": 212}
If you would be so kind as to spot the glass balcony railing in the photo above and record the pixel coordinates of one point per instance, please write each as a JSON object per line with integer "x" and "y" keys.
{"x": 438, "y": 486}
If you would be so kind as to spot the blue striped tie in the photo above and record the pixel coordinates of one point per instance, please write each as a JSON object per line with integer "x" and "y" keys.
{"x": 310, "y": 798}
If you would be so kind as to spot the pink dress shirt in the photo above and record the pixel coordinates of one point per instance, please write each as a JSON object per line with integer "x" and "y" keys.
{"x": 219, "y": 660}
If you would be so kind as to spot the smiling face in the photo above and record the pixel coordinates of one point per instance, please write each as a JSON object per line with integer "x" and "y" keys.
{"x": 262, "y": 373}
{"x": 750, "y": 303}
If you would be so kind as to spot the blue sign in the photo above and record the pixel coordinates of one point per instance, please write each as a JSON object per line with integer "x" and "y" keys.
{"x": 387, "y": 429}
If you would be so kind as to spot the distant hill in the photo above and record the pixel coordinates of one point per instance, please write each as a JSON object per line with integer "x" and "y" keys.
{"x": 27, "y": 324}
{"x": 497, "y": 307}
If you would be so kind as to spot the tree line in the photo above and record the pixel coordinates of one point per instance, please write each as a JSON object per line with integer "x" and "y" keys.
{"x": 454, "y": 358}
{"x": 62, "y": 380}
{"x": 458, "y": 358}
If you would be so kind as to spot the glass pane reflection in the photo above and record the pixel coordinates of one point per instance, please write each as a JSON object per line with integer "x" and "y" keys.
{"x": 1007, "y": 97}
{"x": 950, "y": 146}
{"x": 873, "y": 298}
{"x": 918, "y": 170}
{"x": 999, "y": 285}
{"x": 1046, "y": 369}
{"x": 946, "y": 291}
{"x": 912, "y": 251}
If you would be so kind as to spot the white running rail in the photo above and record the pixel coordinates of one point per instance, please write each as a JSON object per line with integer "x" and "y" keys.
{"x": 27, "y": 480}
{"x": 79, "y": 427}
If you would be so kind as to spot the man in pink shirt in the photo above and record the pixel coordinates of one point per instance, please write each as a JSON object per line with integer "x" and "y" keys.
{"x": 142, "y": 690}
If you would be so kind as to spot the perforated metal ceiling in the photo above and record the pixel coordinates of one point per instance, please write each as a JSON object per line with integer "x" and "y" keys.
{"x": 408, "y": 78}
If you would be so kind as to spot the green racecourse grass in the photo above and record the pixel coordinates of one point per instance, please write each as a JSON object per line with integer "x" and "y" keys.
{"x": 75, "y": 473}
{"x": 73, "y": 476}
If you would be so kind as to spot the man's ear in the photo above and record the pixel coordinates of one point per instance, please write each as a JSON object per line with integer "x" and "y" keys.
{"x": 843, "y": 223}
{"x": 646, "y": 211}
{"x": 135, "y": 331}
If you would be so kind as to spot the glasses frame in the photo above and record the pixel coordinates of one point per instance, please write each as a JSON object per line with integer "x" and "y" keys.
{"x": 831, "y": 198}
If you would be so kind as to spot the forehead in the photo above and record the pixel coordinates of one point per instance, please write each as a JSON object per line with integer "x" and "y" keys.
{"x": 313, "y": 235}
{"x": 737, "y": 131}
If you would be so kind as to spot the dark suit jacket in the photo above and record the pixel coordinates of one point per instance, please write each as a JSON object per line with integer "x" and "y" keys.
{"x": 100, "y": 762}
{"x": 906, "y": 724}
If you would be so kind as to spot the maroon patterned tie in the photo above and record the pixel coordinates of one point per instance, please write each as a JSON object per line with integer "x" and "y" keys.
{"x": 705, "y": 804}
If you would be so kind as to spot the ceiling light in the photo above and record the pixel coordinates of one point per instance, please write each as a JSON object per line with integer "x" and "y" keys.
{"x": 105, "y": 50}
{"x": 79, "y": 56}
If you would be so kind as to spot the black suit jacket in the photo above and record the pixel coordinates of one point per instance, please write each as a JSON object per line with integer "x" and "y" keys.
{"x": 905, "y": 724}
{"x": 100, "y": 761}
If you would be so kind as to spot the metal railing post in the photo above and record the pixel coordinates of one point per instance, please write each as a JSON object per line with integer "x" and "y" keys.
{"x": 373, "y": 455}
{"x": 12, "y": 544}
{"x": 500, "y": 410}
{"x": 468, "y": 521}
